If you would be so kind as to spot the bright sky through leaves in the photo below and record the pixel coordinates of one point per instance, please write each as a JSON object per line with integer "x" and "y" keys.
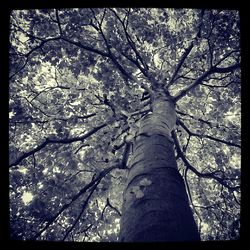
{"x": 27, "y": 197}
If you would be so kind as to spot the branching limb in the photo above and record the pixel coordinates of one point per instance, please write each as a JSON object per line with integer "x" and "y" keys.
{"x": 58, "y": 22}
{"x": 108, "y": 204}
{"x": 132, "y": 44}
{"x": 114, "y": 208}
{"x": 29, "y": 119}
{"x": 210, "y": 124}
{"x": 125, "y": 74}
{"x": 74, "y": 198}
{"x": 200, "y": 79}
{"x": 85, "y": 204}
{"x": 82, "y": 146}
{"x": 24, "y": 31}
{"x": 210, "y": 53}
{"x": 107, "y": 102}
{"x": 194, "y": 170}
{"x": 207, "y": 136}
{"x": 62, "y": 141}
{"x": 198, "y": 119}
{"x": 226, "y": 69}
{"x": 179, "y": 65}
{"x": 125, "y": 156}
{"x": 31, "y": 51}
{"x": 52, "y": 88}
{"x": 140, "y": 112}
{"x": 225, "y": 57}
{"x": 20, "y": 69}
{"x": 192, "y": 86}
{"x": 85, "y": 47}
{"x": 236, "y": 199}
{"x": 185, "y": 53}
{"x": 187, "y": 186}
{"x": 220, "y": 86}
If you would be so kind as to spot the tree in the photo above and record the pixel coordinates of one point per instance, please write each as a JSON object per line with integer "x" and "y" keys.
{"x": 142, "y": 102}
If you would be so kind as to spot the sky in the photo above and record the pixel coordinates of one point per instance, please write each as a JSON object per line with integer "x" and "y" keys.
{"x": 27, "y": 197}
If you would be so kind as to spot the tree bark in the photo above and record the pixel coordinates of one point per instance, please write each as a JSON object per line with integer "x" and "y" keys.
{"x": 155, "y": 202}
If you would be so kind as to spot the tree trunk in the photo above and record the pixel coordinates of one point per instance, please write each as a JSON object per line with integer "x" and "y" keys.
{"x": 155, "y": 202}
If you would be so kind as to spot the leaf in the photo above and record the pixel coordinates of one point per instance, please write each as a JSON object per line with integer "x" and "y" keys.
{"x": 62, "y": 64}
{"x": 75, "y": 71}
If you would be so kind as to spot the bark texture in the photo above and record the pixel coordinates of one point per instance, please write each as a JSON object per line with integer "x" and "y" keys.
{"x": 155, "y": 205}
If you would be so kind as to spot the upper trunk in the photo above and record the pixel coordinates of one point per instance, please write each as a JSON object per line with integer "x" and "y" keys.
{"x": 155, "y": 206}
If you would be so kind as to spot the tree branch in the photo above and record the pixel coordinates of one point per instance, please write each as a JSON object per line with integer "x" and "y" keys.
{"x": 58, "y": 21}
{"x": 199, "y": 80}
{"x": 135, "y": 62}
{"x": 82, "y": 211}
{"x": 179, "y": 65}
{"x": 108, "y": 46}
{"x": 219, "y": 86}
{"x": 194, "y": 170}
{"x": 32, "y": 50}
{"x": 107, "y": 102}
{"x": 132, "y": 45}
{"x": 192, "y": 86}
{"x": 26, "y": 61}
{"x": 112, "y": 207}
{"x": 63, "y": 141}
{"x": 186, "y": 52}
{"x": 74, "y": 198}
{"x": 198, "y": 119}
{"x": 225, "y": 57}
{"x": 26, "y": 33}
{"x": 207, "y": 136}
{"x": 227, "y": 69}
{"x": 187, "y": 186}
{"x": 80, "y": 45}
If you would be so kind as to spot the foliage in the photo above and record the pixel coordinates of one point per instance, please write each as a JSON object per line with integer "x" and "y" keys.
{"x": 80, "y": 80}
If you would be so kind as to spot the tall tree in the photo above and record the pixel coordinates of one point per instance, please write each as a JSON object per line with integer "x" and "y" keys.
{"x": 124, "y": 124}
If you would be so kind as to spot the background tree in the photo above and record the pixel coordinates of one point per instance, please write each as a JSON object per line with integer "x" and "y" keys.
{"x": 80, "y": 82}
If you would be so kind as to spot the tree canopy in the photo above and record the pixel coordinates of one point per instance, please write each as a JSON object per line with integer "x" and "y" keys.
{"x": 79, "y": 83}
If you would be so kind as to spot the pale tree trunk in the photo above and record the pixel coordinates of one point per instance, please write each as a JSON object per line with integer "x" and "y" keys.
{"x": 155, "y": 205}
